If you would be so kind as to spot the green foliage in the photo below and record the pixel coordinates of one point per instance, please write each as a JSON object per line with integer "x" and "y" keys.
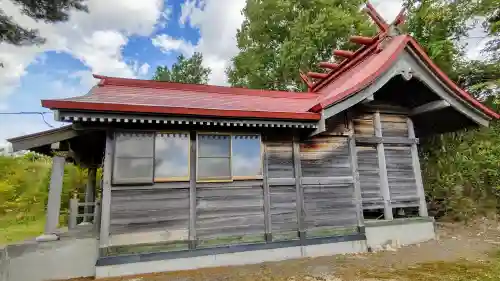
{"x": 184, "y": 70}
{"x": 462, "y": 172}
{"x": 280, "y": 37}
{"x": 438, "y": 25}
{"x": 43, "y": 10}
{"x": 24, "y": 184}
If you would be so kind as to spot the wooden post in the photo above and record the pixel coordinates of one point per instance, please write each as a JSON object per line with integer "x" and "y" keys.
{"x": 192, "y": 191}
{"x": 298, "y": 187}
{"x": 353, "y": 157}
{"x": 97, "y": 216}
{"x": 89, "y": 193}
{"x": 106, "y": 192}
{"x": 422, "y": 210}
{"x": 267, "y": 199}
{"x": 384, "y": 181}
{"x": 54, "y": 202}
{"x": 73, "y": 212}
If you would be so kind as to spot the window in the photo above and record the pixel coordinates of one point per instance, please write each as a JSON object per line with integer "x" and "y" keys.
{"x": 171, "y": 156}
{"x": 144, "y": 158}
{"x": 226, "y": 157}
{"x": 214, "y": 157}
{"x": 247, "y": 157}
{"x": 134, "y": 156}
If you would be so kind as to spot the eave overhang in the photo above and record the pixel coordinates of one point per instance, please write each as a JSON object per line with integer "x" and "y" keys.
{"x": 43, "y": 138}
{"x": 121, "y": 118}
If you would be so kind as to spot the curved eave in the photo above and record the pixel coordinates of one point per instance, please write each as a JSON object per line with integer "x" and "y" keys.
{"x": 111, "y": 107}
{"x": 378, "y": 69}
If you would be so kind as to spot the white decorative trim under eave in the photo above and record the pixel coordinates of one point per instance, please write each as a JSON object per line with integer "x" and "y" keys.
{"x": 114, "y": 118}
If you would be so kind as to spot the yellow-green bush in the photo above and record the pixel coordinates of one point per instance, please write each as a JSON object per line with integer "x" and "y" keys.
{"x": 24, "y": 184}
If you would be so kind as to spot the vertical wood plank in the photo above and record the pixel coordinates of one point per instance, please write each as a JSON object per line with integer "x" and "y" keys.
{"x": 192, "y": 190}
{"x": 355, "y": 173}
{"x": 267, "y": 199}
{"x": 90, "y": 192}
{"x": 422, "y": 210}
{"x": 384, "y": 181}
{"x": 106, "y": 191}
{"x": 298, "y": 186}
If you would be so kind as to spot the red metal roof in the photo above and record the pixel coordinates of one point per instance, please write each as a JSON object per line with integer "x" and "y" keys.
{"x": 349, "y": 77}
{"x": 131, "y": 95}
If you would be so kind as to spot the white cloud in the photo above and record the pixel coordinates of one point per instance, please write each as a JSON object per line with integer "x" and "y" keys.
{"x": 217, "y": 21}
{"x": 167, "y": 43}
{"x": 95, "y": 38}
{"x": 143, "y": 69}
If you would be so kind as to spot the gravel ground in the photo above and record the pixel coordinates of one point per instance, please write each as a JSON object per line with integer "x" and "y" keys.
{"x": 455, "y": 242}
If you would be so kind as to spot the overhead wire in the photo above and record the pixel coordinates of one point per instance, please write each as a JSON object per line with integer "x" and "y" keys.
{"x": 42, "y": 114}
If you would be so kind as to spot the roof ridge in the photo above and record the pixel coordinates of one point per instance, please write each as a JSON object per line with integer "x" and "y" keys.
{"x": 139, "y": 83}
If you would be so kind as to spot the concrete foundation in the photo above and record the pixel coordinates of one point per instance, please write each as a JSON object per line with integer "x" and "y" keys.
{"x": 240, "y": 258}
{"x": 401, "y": 231}
{"x": 67, "y": 258}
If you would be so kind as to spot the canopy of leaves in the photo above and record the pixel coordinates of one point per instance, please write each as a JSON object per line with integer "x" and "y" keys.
{"x": 184, "y": 70}
{"x": 44, "y": 10}
{"x": 280, "y": 37}
{"x": 438, "y": 25}
{"x": 490, "y": 9}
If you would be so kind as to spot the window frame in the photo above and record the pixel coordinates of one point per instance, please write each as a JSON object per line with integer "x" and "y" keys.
{"x": 131, "y": 181}
{"x": 172, "y": 179}
{"x": 261, "y": 146}
{"x": 232, "y": 177}
{"x": 154, "y": 179}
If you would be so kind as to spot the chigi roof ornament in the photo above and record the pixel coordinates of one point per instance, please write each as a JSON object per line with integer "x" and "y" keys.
{"x": 349, "y": 58}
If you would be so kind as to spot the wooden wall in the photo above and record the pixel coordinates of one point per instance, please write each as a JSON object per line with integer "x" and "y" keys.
{"x": 308, "y": 188}
{"x": 398, "y": 160}
{"x": 282, "y": 189}
{"x": 327, "y": 184}
{"x": 147, "y": 211}
{"x": 229, "y": 210}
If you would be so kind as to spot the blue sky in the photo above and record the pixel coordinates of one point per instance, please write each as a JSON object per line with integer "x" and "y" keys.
{"x": 124, "y": 38}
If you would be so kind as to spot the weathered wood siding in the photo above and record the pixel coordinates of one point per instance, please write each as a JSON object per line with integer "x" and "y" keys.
{"x": 162, "y": 207}
{"x": 369, "y": 177}
{"x": 283, "y": 196}
{"x": 363, "y": 125}
{"x": 325, "y": 156}
{"x": 280, "y": 159}
{"x": 398, "y": 162}
{"x": 394, "y": 125}
{"x": 229, "y": 209}
{"x": 402, "y": 183}
{"x": 327, "y": 183}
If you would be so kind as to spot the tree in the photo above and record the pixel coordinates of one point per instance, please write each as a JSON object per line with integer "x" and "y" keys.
{"x": 490, "y": 9}
{"x": 280, "y": 37}
{"x": 439, "y": 25}
{"x": 185, "y": 70}
{"x": 50, "y": 11}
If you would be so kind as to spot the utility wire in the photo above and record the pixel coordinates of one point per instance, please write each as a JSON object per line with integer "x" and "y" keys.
{"x": 42, "y": 114}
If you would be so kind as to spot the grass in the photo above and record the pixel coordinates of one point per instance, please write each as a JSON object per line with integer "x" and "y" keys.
{"x": 461, "y": 270}
{"x": 15, "y": 231}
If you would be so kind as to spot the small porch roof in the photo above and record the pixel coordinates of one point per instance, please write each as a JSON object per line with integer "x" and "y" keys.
{"x": 41, "y": 141}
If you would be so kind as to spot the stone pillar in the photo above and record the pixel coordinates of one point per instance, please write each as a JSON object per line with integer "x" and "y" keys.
{"x": 54, "y": 202}
{"x": 89, "y": 194}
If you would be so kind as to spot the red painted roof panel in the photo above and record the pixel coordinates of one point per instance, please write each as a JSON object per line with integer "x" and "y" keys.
{"x": 174, "y": 98}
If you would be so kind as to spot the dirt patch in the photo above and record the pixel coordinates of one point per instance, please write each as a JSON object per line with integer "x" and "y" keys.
{"x": 456, "y": 242}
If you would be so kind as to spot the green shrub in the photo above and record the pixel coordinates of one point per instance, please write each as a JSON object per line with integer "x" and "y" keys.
{"x": 462, "y": 173}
